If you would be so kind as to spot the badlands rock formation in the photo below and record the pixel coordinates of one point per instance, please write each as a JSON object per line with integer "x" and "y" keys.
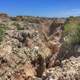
{"x": 31, "y": 48}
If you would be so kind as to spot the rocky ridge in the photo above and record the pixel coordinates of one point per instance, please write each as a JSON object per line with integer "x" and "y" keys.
{"x": 32, "y": 49}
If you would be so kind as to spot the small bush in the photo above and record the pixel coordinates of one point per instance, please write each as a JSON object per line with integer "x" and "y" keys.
{"x": 18, "y": 26}
{"x": 72, "y": 33}
{"x": 2, "y": 31}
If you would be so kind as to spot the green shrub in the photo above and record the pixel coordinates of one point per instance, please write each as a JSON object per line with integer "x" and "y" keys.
{"x": 2, "y": 31}
{"x": 18, "y": 26}
{"x": 72, "y": 33}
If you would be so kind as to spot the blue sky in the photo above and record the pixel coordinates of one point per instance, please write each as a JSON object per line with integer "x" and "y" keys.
{"x": 49, "y": 8}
